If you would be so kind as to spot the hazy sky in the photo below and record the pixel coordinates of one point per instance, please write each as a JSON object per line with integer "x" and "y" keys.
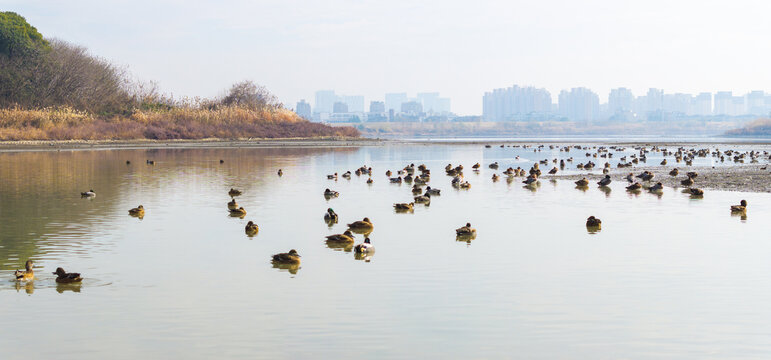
{"x": 459, "y": 48}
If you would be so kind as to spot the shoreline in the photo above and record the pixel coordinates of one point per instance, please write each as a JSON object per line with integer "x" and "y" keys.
{"x": 57, "y": 145}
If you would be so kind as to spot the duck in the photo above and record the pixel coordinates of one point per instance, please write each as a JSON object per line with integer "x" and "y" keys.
{"x": 582, "y": 182}
{"x": 251, "y": 228}
{"x": 89, "y": 193}
{"x": 346, "y": 237}
{"x": 634, "y": 187}
{"x": 696, "y": 191}
{"x": 238, "y": 212}
{"x": 593, "y": 222}
{"x": 288, "y": 258}
{"x": 530, "y": 180}
{"x": 139, "y": 210}
{"x": 388, "y": 173}
{"x": 150, "y": 162}
{"x": 27, "y": 274}
{"x": 687, "y": 182}
{"x": 493, "y": 165}
{"x": 370, "y": 181}
{"x": 692, "y": 174}
{"x": 657, "y": 187}
{"x": 364, "y": 224}
{"x": 423, "y": 199}
{"x": 630, "y": 178}
{"x": 404, "y": 206}
{"x": 234, "y": 192}
{"x": 232, "y": 204}
{"x": 347, "y": 174}
{"x": 330, "y": 216}
{"x": 605, "y": 181}
{"x": 365, "y": 247}
{"x": 465, "y": 185}
{"x": 496, "y": 177}
{"x": 416, "y": 190}
{"x": 664, "y": 162}
{"x": 553, "y": 170}
{"x": 331, "y": 193}
{"x": 432, "y": 191}
{"x": 742, "y": 207}
{"x": 397, "y": 179}
{"x": 466, "y": 230}
{"x": 63, "y": 277}
{"x": 476, "y": 166}
{"x": 674, "y": 172}
{"x": 332, "y": 177}
{"x": 280, "y": 172}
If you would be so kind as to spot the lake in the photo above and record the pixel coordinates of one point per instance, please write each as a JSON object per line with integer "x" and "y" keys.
{"x": 668, "y": 276}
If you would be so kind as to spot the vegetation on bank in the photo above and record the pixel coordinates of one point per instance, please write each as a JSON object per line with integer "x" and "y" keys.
{"x": 760, "y": 127}
{"x": 54, "y": 90}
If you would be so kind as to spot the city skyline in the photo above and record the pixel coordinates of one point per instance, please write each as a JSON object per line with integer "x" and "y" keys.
{"x": 371, "y": 48}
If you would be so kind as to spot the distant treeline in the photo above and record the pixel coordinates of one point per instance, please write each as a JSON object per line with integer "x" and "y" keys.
{"x": 760, "y": 127}
{"x": 52, "y": 89}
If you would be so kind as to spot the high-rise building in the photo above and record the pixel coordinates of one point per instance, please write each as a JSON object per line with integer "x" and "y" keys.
{"x": 325, "y": 100}
{"x": 702, "y": 104}
{"x": 677, "y": 103}
{"x": 655, "y": 99}
{"x": 515, "y": 102}
{"x": 303, "y": 109}
{"x": 394, "y": 101}
{"x": 620, "y": 100}
{"x": 339, "y": 107}
{"x": 429, "y": 101}
{"x": 355, "y": 102}
{"x": 579, "y": 104}
{"x": 377, "y": 107}
{"x": 412, "y": 107}
{"x": 723, "y": 103}
{"x": 756, "y": 103}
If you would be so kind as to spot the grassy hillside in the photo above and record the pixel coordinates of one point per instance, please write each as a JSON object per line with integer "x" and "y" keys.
{"x": 54, "y": 90}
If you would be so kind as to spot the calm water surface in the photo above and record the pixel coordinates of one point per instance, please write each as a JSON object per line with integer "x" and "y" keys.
{"x": 667, "y": 277}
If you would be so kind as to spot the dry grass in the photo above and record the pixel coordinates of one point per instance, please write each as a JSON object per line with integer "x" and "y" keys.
{"x": 176, "y": 123}
{"x": 759, "y": 127}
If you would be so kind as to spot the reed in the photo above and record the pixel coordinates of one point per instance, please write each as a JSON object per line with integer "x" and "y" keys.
{"x": 228, "y": 122}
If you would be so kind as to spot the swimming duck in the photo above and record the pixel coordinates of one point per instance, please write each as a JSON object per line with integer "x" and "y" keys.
{"x": 687, "y": 182}
{"x": 696, "y": 191}
{"x": 346, "y": 237}
{"x": 742, "y": 207}
{"x": 251, "y": 228}
{"x": 232, "y": 204}
{"x": 416, "y": 190}
{"x": 664, "y": 162}
{"x": 89, "y": 193}
{"x": 290, "y": 258}
{"x": 493, "y": 165}
{"x": 150, "y": 162}
{"x": 530, "y": 180}
{"x": 404, "y": 206}
{"x": 139, "y": 210}
{"x": 431, "y": 191}
{"x": 333, "y": 176}
{"x": 423, "y": 199}
{"x": 476, "y": 166}
{"x": 388, "y": 173}
{"x": 27, "y": 274}
{"x": 496, "y": 177}
{"x": 364, "y": 224}
{"x": 593, "y": 222}
{"x": 238, "y": 212}
{"x": 630, "y": 177}
{"x": 553, "y": 170}
{"x": 396, "y": 180}
{"x": 464, "y": 185}
{"x": 280, "y": 172}
{"x": 674, "y": 172}
{"x": 347, "y": 174}
{"x": 330, "y": 216}
{"x": 657, "y": 187}
{"x": 466, "y": 230}
{"x": 605, "y": 181}
{"x": 365, "y": 247}
{"x": 63, "y": 277}
{"x": 582, "y": 182}
{"x": 692, "y": 174}
{"x": 234, "y": 192}
{"x": 331, "y": 193}
{"x": 370, "y": 181}
{"x": 634, "y": 187}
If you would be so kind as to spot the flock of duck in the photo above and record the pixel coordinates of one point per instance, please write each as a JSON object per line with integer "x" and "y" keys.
{"x": 423, "y": 194}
